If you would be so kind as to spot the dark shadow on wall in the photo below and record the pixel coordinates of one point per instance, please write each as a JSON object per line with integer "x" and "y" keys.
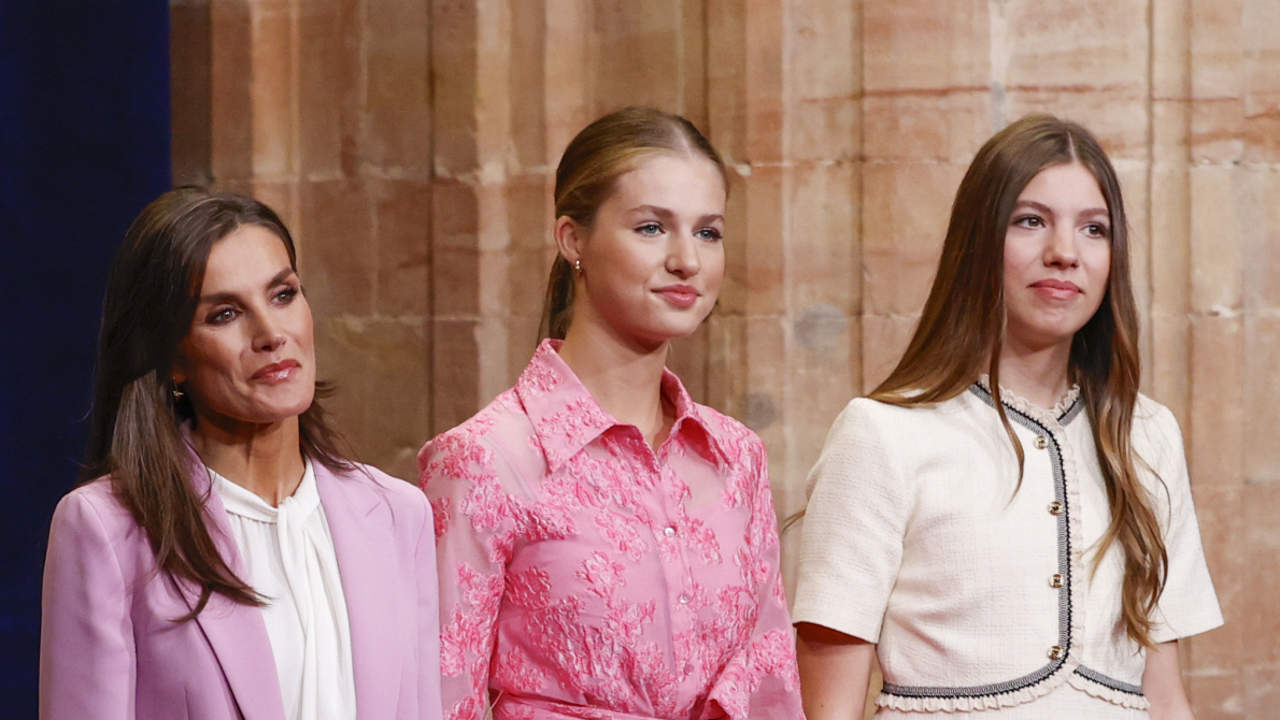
{"x": 84, "y": 144}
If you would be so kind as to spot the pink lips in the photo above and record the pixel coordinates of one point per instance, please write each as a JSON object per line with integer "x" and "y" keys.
{"x": 681, "y": 296}
{"x": 1055, "y": 289}
{"x": 276, "y": 372}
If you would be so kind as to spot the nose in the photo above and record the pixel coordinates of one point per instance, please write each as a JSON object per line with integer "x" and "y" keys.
{"x": 683, "y": 260}
{"x": 1061, "y": 250}
{"x": 267, "y": 334}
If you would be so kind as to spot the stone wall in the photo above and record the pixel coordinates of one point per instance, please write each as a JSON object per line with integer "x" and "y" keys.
{"x": 410, "y": 145}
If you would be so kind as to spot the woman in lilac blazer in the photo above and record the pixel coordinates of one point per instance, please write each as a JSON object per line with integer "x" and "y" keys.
{"x": 227, "y": 561}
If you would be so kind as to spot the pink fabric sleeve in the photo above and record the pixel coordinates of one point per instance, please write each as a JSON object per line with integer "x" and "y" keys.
{"x": 429, "y": 701}
{"x": 762, "y": 679}
{"x": 474, "y": 529}
{"x": 87, "y": 657}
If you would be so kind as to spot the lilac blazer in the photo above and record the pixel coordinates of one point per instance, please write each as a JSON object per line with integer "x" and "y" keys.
{"x": 109, "y": 649}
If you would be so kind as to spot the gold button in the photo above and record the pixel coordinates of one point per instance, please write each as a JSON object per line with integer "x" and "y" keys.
{"x": 1041, "y": 442}
{"x": 1055, "y": 581}
{"x": 1055, "y": 508}
{"x": 1055, "y": 653}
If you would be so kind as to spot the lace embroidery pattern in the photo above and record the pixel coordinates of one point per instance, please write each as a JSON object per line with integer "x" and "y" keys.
{"x": 582, "y": 569}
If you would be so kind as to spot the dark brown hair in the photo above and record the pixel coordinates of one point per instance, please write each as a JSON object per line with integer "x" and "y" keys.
{"x": 134, "y": 430}
{"x": 963, "y": 321}
{"x": 594, "y": 159}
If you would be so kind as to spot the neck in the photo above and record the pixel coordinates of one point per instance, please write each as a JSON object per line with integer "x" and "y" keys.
{"x": 625, "y": 378}
{"x": 264, "y": 459}
{"x": 1040, "y": 374}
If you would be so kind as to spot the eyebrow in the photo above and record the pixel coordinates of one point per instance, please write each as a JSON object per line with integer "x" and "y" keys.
{"x": 665, "y": 213}
{"x": 222, "y": 297}
{"x": 1041, "y": 207}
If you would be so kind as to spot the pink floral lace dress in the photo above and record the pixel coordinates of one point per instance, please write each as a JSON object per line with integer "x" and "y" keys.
{"x": 583, "y": 575}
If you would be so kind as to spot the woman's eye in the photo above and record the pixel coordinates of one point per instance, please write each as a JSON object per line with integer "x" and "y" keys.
{"x": 222, "y": 316}
{"x": 711, "y": 234}
{"x": 1030, "y": 221}
{"x": 652, "y": 228}
{"x": 286, "y": 296}
{"x": 1096, "y": 230}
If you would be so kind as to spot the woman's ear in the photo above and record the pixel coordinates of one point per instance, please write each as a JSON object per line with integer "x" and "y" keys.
{"x": 177, "y": 371}
{"x": 569, "y": 238}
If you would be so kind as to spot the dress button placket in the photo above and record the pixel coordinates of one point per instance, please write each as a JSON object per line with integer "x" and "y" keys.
{"x": 678, "y": 576}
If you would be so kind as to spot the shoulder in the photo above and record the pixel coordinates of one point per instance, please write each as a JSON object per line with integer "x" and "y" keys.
{"x": 726, "y": 429}
{"x": 362, "y": 488}
{"x": 1155, "y": 428}
{"x": 94, "y": 507}
{"x": 398, "y": 492}
{"x": 497, "y": 442}
{"x": 90, "y": 523}
{"x": 864, "y": 416}
{"x": 503, "y": 418}
{"x": 881, "y": 442}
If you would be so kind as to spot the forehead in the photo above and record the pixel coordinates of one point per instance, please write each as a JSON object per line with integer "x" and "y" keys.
{"x": 675, "y": 181}
{"x": 247, "y": 256}
{"x": 1069, "y": 185}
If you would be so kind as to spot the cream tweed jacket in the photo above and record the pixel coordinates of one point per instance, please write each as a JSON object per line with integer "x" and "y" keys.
{"x": 981, "y": 594}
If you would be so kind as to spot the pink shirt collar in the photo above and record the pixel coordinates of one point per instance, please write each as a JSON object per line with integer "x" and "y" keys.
{"x": 566, "y": 417}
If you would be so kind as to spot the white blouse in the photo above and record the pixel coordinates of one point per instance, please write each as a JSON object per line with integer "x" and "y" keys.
{"x": 980, "y": 594}
{"x": 289, "y": 558}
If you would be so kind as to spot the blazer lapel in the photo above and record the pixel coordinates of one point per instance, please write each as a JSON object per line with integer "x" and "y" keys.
{"x": 365, "y": 546}
{"x": 236, "y": 632}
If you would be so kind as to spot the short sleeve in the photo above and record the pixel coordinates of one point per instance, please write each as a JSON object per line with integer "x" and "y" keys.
{"x": 853, "y": 526}
{"x": 1188, "y": 605}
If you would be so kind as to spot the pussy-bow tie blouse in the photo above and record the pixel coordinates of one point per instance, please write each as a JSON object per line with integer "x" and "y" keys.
{"x": 583, "y": 575}
{"x": 982, "y": 598}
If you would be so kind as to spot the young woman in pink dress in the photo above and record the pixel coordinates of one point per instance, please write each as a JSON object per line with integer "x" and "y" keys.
{"x": 607, "y": 546}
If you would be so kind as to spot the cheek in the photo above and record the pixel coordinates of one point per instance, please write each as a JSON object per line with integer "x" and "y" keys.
{"x": 713, "y": 267}
{"x": 1100, "y": 265}
{"x": 211, "y": 366}
{"x": 306, "y": 327}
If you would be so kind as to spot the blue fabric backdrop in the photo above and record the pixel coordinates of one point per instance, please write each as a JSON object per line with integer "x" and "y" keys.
{"x": 84, "y": 144}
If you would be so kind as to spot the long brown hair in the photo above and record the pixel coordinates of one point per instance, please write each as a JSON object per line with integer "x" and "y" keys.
{"x": 962, "y": 325}
{"x": 134, "y": 429}
{"x": 595, "y": 158}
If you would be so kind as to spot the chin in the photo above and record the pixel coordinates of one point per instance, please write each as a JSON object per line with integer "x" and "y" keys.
{"x": 270, "y": 413}
{"x": 667, "y": 333}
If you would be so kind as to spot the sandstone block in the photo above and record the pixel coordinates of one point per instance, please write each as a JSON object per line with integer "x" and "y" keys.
{"x": 335, "y": 247}
{"x": 1215, "y": 430}
{"x": 1215, "y": 240}
{"x": 402, "y": 228}
{"x": 396, "y": 132}
{"x": 905, "y": 210}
